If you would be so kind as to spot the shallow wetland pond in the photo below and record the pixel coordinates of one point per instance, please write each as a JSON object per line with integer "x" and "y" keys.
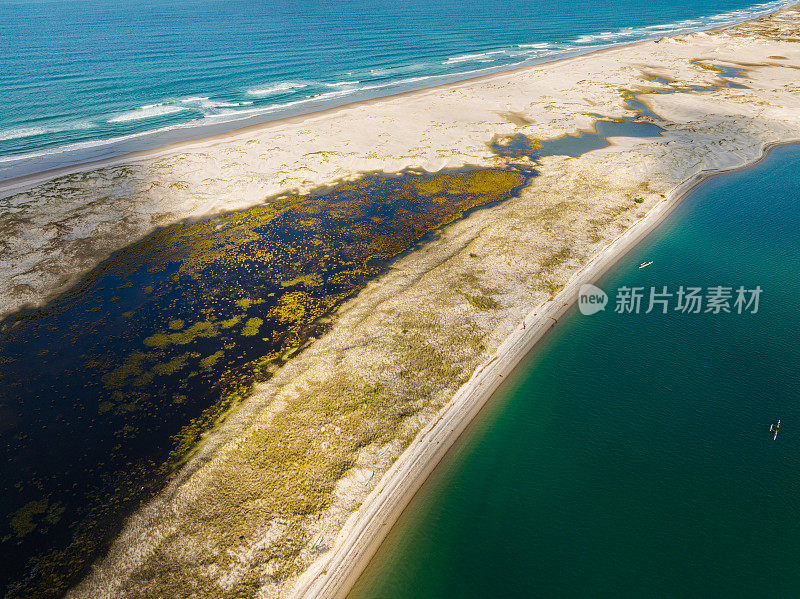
{"x": 105, "y": 391}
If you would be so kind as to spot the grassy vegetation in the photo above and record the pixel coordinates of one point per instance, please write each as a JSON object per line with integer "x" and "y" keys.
{"x": 295, "y": 460}
{"x": 287, "y": 466}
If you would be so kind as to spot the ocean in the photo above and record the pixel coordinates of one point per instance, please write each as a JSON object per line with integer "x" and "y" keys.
{"x": 89, "y": 79}
{"x": 631, "y": 454}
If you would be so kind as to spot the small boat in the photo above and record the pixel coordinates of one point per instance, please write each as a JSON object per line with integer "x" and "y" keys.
{"x": 643, "y": 264}
{"x": 774, "y": 428}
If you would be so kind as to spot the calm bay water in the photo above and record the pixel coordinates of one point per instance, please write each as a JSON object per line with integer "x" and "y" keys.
{"x": 87, "y": 79}
{"x": 631, "y": 454}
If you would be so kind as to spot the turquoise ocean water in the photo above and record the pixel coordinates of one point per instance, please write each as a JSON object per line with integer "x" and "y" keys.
{"x": 87, "y": 79}
{"x": 631, "y": 454}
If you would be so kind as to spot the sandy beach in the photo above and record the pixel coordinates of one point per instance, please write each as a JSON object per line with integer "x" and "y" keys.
{"x": 417, "y": 353}
{"x": 56, "y": 229}
{"x": 364, "y": 532}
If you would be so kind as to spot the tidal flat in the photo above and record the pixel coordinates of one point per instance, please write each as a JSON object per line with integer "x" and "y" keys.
{"x": 152, "y": 348}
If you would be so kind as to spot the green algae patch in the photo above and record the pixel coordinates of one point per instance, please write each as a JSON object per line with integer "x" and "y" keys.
{"x": 26, "y": 519}
{"x": 428, "y": 186}
{"x": 251, "y": 326}
{"x": 208, "y": 362}
{"x": 232, "y": 321}
{"x": 310, "y": 280}
{"x": 22, "y": 521}
{"x": 197, "y": 330}
{"x": 132, "y": 367}
{"x": 172, "y": 366}
{"x": 292, "y": 307}
{"x": 158, "y": 340}
{"x": 479, "y": 181}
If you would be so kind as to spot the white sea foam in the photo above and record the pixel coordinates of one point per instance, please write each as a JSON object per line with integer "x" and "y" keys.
{"x": 205, "y": 102}
{"x": 23, "y": 132}
{"x": 660, "y": 27}
{"x": 87, "y": 145}
{"x": 10, "y": 134}
{"x": 225, "y": 115}
{"x": 279, "y": 88}
{"x": 342, "y": 83}
{"x": 320, "y": 99}
{"x": 478, "y": 56}
{"x": 396, "y": 70}
{"x": 147, "y": 111}
{"x": 233, "y": 115}
{"x": 677, "y": 27}
{"x": 214, "y": 104}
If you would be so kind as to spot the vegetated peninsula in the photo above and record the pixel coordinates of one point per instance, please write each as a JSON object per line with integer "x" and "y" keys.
{"x": 502, "y": 198}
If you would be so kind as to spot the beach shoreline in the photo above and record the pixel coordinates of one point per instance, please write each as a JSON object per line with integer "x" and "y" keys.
{"x": 364, "y": 533}
{"x": 23, "y": 182}
{"x": 26, "y": 181}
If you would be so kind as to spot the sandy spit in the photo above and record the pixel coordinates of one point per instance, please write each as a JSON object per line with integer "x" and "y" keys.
{"x": 366, "y": 529}
{"x": 416, "y": 345}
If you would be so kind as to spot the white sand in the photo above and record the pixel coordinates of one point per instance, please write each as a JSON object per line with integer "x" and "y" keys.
{"x": 54, "y": 231}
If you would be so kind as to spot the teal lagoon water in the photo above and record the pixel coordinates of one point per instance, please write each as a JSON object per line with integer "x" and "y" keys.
{"x": 630, "y": 456}
{"x": 90, "y": 79}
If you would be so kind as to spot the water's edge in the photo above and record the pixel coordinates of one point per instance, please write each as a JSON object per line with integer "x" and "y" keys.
{"x": 334, "y": 574}
{"x": 27, "y": 170}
